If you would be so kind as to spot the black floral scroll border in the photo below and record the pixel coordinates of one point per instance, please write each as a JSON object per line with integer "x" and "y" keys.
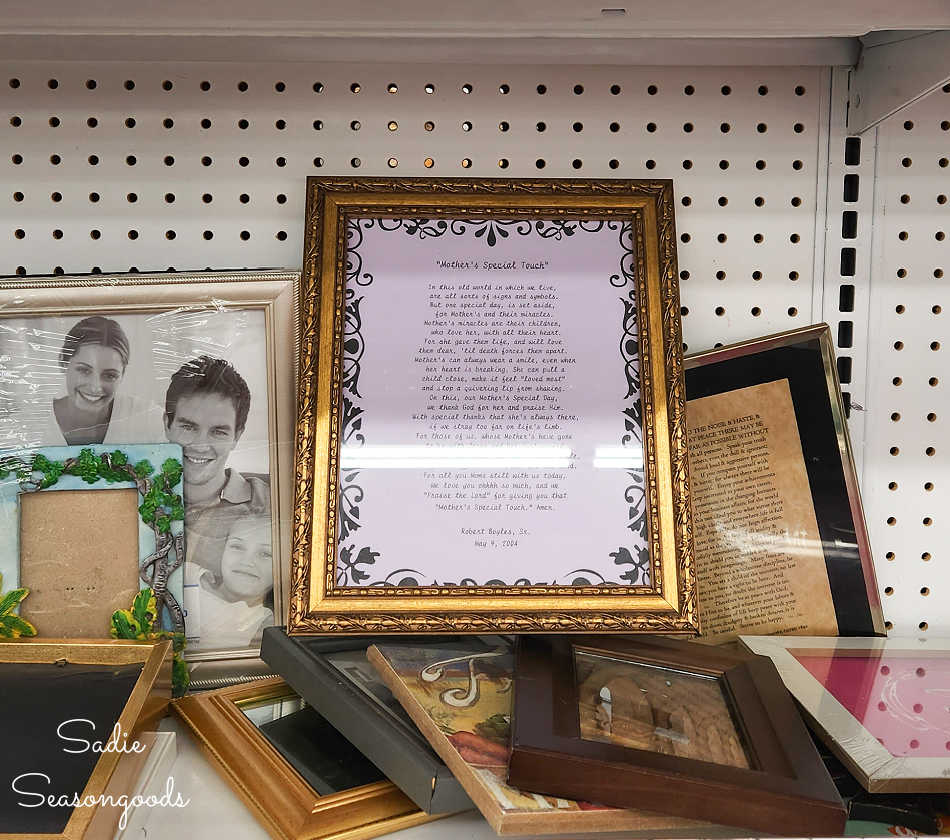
{"x": 352, "y": 563}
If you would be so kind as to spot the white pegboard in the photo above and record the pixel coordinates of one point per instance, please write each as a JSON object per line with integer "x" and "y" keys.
{"x": 906, "y": 484}
{"x": 198, "y": 165}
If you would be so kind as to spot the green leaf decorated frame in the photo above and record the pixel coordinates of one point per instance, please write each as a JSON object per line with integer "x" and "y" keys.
{"x": 154, "y": 471}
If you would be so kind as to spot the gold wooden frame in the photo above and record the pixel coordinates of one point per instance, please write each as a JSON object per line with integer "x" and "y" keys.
{"x": 146, "y": 704}
{"x": 285, "y": 805}
{"x": 131, "y": 294}
{"x": 317, "y": 605}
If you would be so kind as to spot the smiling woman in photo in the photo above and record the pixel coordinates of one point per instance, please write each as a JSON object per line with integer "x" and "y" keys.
{"x": 94, "y": 356}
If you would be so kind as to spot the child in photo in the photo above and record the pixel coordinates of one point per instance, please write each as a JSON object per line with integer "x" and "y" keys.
{"x": 237, "y": 605}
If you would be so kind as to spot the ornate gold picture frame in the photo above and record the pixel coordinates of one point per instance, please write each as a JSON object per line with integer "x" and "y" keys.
{"x": 268, "y": 758}
{"x": 491, "y": 410}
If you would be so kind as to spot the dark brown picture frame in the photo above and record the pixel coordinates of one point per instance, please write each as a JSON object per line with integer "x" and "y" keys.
{"x": 787, "y": 788}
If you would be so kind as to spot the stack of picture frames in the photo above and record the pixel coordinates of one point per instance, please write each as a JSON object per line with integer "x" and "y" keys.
{"x": 493, "y": 411}
{"x": 162, "y": 406}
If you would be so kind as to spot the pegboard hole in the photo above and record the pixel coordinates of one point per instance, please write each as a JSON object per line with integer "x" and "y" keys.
{"x": 467, "y": 88}
{"x": 578, "y": 90}
{"x": 925, "y": 556}
{"x": 651, "y": 127}
{"x": 685, "y": 237}
{"x": 133, "y": 234}
{"x": 355, "y": 87}
{"x": 429, "y": 125}
{"x": 280, "y": 125}
{"x": 793, "y": 275}
{"x": 318, "y": 87}
{"x": 280, "y": 198}
{"x": 792, "y": 312}
{"x": 650, "y": 164}
{"x": 169, "y": 198}
{"x": 18, "y": 196}
{"x": 687, "y": 164}
{"x": 206, "y": 123}
{"x": 758, "y": 238}
{"x": 131, "y": 198}
{"x": 889, "y": 556}
{"x": 798, "y": 128}
{"x": 503, "y": 163}
{"x": 208, "y": 234}
{"x": 577, "y": 163}
{"x": 794, "y": 239}
{"x": 761, "y": 128}
{"x": 930, "y": 451}
{"x": 129, "y": 161}
{"x": 355, "y": 125}
{"x": 686, "y": 201}
{"x": 888, "y": 590}
{"x": 897, "y": 381}
{"x": 392, "y": 163}
{"x": 756, "y": 275}
{"x": 168, "y": 122}
{"x": 907, "y": 162}
{"x": 928, "y": 486}
{"x": 927, "y": 521}
{"x": 760, "y": 165}
{"x": 796, "y": 201}
{"x": 244, "y": 198}
{"x": 923, "y": 626}
{"x": 797, "y": 165}
{"x": 170, "y": 161}
{"x": 92, "y": 122}
{"x": 722, "y": 201}
{"x": 504, "y": 89}
{"x": 933, "y": 382}
{"x": 614, "y": 127}
{"x": 317, "y": 125}
{"x": 281, "y": 235}
{"x": 895, "y": 450}
{"x": 93, "y": 197}
{"x": 242, "y": 161}
{"x": 689, "y": 90}
{"x": 763, "y": 90}
{"x": 931, "y": 417}
{"x": 759, "y": 201}
{"x": 245, "y": 235}
{"x": 318, "y": 162}
{"x": 720, "y": 275}
{"x": 428, "y": 163}
{"x": 720, "y": 311}
{"x": 756, "y": 311}
{"x": 615, "y": 90}
{"x": 652, "y": 90}
{"x": 466, "y": 163}
{"x": 688, "y": 127}
{"x": 936, "y": 309}
{"x": 902, "y": 273}
{"x": 467, "y": 126}
{"x": 725, "y": 128}
{"x": 207, "y": 198}
{"x": 945, "y": 125}
{"x": 280, "y": 87}
{"x": 613, "y": 163}
{"x": 53, "y": 122}
{"x": 392, "y": 87}
{"x": 541, "y": 126}
{"x": 504, "y": 125}
{"x": 725, "y": 90}
{"x": 95, "y": 234}
{"x": 170, "y": 234}
{"x": 908, "y": 125}
{"x": 938, "y": 273}
{"x": 898, "y": 345}
{"x": 17, "y": 159}
{"x": 900, "y": 309}
{"x": 724, "y": 164}
{"x": 684, "y": 275}
{"x": 934, "y": 345}
{"x": 429, "y": 88}
{"x": 943, "y": 162}
{"x": 888, "y": 625}
{"x": 242, "y": 86}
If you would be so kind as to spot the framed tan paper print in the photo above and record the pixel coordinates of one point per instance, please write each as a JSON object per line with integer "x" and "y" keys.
{"x": 491, "y": 427}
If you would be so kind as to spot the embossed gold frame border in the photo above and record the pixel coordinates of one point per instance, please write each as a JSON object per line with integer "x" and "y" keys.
{"x": 286, "y": 806}
{"x": 147, "y": 703}
{"x": 129, "y": 294}
{"x": 317, "y": 604}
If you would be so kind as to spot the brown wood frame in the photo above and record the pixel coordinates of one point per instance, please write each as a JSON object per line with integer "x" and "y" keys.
{"x": 285, "y": 805}
{"x": 789, "y": 787}
{"x": 146, "y": 704}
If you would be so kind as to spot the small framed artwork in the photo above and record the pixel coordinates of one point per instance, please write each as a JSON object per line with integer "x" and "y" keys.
{"x": 459, "y": 693}
{"x": 297, "y": 774}
{"x": 880, "y": 705}
{"x": 63, "y": 699}
{"x": 779, "y": 535}
{"x": 58, "y": 502}
{"x": 528, "y": 414}
{"x": 695, "y": 731}
{"x": 205, "y": 361}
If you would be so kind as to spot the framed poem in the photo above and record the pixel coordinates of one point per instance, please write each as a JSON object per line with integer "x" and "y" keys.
{"x": 334, "y": 676}
{"x": 693, "y": 730}
{"x": 877, "y": 704}
{"x": 203, "y": 360}
{"x": 491, "y": 426}
{"x": 62, "y": 694}
{"x": 44, "y": 547}
{"x": 298, "y": 775}
{"x": 767, "y": 427}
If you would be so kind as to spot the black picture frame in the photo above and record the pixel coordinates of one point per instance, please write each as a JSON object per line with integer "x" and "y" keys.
{"x": 784, "y": 783}
{"x": 806, "y": 358}
{"x": 390, "y": 740}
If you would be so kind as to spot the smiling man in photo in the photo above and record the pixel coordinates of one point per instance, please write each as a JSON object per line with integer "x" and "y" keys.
{"x": 206, "y": 409}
